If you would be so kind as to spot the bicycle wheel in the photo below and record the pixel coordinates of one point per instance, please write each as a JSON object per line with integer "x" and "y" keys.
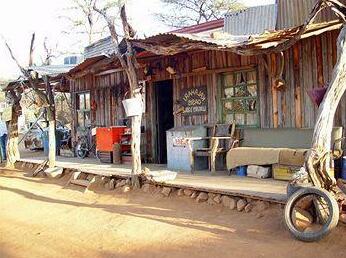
{"x": 81, "y": 149}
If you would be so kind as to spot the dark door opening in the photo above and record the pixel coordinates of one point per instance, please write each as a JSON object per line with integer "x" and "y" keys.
{"x": 164, "y": 116}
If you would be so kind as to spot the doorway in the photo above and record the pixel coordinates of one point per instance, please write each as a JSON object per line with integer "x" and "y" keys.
{"x": 164, "y": 116}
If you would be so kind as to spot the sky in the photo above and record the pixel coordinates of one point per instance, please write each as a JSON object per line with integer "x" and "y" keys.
{"x": 20, "y": 18}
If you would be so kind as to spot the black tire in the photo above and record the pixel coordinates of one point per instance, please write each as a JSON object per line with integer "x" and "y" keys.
{"x": 292, "y": 188}
{"x": 330, "y": 224}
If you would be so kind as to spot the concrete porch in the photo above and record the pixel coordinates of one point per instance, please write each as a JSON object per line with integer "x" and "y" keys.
{"x": 222, "y": 182}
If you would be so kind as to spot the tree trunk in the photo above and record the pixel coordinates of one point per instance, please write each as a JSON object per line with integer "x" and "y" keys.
{"x": 12, "y": 150}
{"x": 52, "y": 144}
{"x": 318, "y": 162}
{"x": 52, "y": 124}
{"x": 136, "y": 149}
{"x": 130, "y": 67}
{"x": 128, "y": 62}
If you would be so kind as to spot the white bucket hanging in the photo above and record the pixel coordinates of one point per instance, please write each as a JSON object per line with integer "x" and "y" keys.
{"x": 133, "y": 107}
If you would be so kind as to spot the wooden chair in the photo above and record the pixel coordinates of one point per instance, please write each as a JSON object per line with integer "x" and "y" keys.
{"x": 220, "y": 142}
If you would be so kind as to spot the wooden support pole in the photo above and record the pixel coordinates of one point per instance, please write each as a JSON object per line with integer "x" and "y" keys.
{"x": 274, "y": 90}
{"x": 213, "y": 152}
{"x": 297, "y": 87}
{"x": 52, "y": 144}
{"x": 319, "y": 61}
{"x": 12, "y": 148}
{"x": 51, "y": 123}
{"x": 129, "y": 63}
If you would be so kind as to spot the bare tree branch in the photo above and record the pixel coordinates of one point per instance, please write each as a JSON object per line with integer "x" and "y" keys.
{"x": 48, "y": 52}
{"x": 14, "y": 58}
{"x": 181, "y": 13}
{"x": 83, "y": 17}
{"x": 31, "y": 58}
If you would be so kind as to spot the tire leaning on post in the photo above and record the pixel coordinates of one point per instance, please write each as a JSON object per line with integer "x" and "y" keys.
{"x": 330, "y": 224}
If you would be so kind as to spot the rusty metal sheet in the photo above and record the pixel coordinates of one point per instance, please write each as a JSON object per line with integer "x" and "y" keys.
{"x": 293, "y": 13}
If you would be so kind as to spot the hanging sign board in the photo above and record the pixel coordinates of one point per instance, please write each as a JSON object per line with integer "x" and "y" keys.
{"x": 195, "y": 101}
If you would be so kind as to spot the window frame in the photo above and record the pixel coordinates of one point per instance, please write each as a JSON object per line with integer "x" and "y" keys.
{"x": 86, "y": 109}
{"x": 222, "y": 99}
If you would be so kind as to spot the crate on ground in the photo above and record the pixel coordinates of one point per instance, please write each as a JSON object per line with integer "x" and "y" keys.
{"x": 105, "y": 156}
{"x": 126, "y": 159}
{"x": 284, "y": 172}
{"x": 258, "y": 171}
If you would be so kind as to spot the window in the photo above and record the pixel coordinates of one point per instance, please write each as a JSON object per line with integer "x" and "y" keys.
{"x": 70, "y": 60}
{"x": 83, "y": 109}
{"x": 239, "y": 98}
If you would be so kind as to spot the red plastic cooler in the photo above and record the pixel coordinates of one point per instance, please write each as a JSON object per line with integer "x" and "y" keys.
{"x": 107, "y": 136}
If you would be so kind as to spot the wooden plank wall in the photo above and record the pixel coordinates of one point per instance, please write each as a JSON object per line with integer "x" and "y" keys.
{"x": 307, "y": 65}
{"x": 214, "y": 63}
{"x": 106, "y": 91}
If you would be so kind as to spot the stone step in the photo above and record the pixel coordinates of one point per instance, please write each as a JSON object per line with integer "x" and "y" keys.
{"x": 80, "y": 182}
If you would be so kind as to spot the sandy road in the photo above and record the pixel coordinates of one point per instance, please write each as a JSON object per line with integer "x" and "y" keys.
{"x": 42, "y": 218}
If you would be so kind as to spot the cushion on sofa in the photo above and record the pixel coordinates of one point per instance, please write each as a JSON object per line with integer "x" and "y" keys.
{"x": 251, "y": 156}
{"x": 294, "y": 138}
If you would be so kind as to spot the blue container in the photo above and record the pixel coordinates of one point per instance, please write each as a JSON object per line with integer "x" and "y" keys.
{"x": 241, "y": 171}
{"x": 45, "y": 142}
{"x": 343, "y": 168}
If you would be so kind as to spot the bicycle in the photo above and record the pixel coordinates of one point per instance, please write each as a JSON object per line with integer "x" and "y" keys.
{"x": 85, "y": 145}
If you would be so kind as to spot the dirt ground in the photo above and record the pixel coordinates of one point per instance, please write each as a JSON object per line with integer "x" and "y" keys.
{"x": 43, "y": 218}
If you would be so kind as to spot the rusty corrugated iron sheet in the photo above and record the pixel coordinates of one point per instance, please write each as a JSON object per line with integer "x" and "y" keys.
{"x": 105, "y": 46}
{"x": 293, "y": 13}
{"x": 251, "y": 21}
{"x": 173, "y": 43}
{"x": 202, "y": 27}
{"x": 86, "y": 63}
{"x": 169, "y": 38}
{"x": 284, "y": 14}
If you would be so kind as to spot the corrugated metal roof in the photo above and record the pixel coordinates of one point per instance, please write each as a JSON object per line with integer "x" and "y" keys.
{"x": 284, "y": 14}
{"x": 251, "y": 21}
{"x": 173, "y": 43}
{"x": 52, "y": 70}
{"x": 293, "y": 13}
{"x": 221, "y": 39}
{"x": 102, "y": 47}
{"x": 105, "y": 46}
{"x": 202, "y": 27}
{"x": 86, "y": 63}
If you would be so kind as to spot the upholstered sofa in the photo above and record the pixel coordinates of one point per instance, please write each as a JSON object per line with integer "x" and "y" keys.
{"x": 272, "y": 146}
